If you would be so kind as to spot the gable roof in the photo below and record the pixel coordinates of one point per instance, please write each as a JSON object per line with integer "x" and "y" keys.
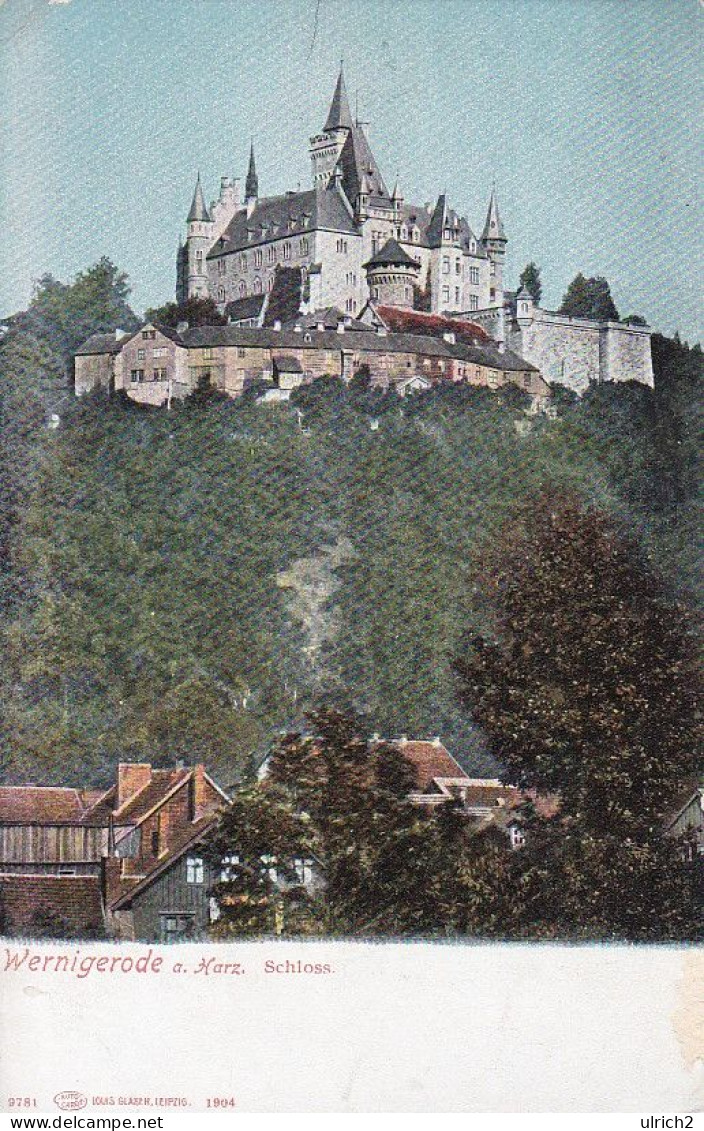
{"x": 430, "y": 760}
{"x": 123, "y": 889}
{"x": 49, "y": 805}
{"x": 160, "y": 785}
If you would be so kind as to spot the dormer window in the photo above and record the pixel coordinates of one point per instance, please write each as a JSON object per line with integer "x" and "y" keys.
{"x": 195, "y": 872}
{"x": 307, "y": 338}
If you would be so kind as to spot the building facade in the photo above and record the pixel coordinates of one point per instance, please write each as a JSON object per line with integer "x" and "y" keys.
{"x": 333, "y": 229}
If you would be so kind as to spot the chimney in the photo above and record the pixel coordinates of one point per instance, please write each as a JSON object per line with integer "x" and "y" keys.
{"x": 402, "y": 740}
{"x": 181, "y": 327}
{"x": 341, "y": 326}
{"x": 436, "y": 740}
{"x": 202, "y": 803}
{"x": 131, "y": 777}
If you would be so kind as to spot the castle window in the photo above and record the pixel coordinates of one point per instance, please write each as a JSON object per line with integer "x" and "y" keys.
{"x": 141, "y": 354}
{"x": 446, "y": 264}
{"x": 457, "y": 295}
{"x": 243, "y": 261}
{"x": 445, "y": 294}
{"x": 269, "y": 868}
{"x": 474, "y": 275}
{"x": 257, "y": 286}
{"x": 257, "y": 259}
{"x": 148, "y": 335}
{"x": 458, "y": 267}
{"x": 243, "y": 290}
{"x": 159, "y": 375}
{"x": 207, "y": 354}
{"x": 222, "y": 266}
{"x": 304, "y": 246}
{"x": 221, "y": 294}
{"x": 472, "y": 246}
{"x": 271, "y": 255}
{"x": 270, "y": 283}
{"x": 240, "y": 352}
{"x": 136, "y": 376}
{"x": 160, "y": 352}
{"x": 287, "y": 251}
{"x": 473, "y": 302}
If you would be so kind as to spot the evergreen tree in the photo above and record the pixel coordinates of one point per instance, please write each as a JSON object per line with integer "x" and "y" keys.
{"x": 530, "y": 279}
{"x": 589, "y": 298}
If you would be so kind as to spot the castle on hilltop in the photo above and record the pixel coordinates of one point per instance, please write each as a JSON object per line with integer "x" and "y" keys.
{"x": 337, "y": 233}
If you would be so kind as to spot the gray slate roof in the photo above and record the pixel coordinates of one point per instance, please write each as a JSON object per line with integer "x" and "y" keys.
{"x": 391, "y": 255}
{"x": 101, "y": 343}
{"x": 293, "y": 214}
{"x": 198, "y": 210}
{"x": 242, "y": 308}
{"x": 286, "y": 339}
{"x": 339, "y": 113}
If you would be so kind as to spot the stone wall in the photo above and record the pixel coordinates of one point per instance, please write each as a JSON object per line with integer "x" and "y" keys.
{"x": 93, "y": 370}
{"x": 577, "y": 351}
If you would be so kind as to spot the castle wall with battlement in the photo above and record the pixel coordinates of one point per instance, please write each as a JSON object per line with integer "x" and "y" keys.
{"x": 577, "y": 351}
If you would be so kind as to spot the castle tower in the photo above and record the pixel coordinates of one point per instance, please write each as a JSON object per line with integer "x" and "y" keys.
{"x": 392, "y": 275}
{"x": 494, "y": 243}
{"x": 325, "y": 147}
{"x": 223, "y": 209}
{"x": 192, "y": 272}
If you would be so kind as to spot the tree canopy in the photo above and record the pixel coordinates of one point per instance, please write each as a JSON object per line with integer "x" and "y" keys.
{"x": 530, "y": 279}
{"x": 587, "y": 690}
{"x": 589, "y": 298}
{"x": 195, "y": 311}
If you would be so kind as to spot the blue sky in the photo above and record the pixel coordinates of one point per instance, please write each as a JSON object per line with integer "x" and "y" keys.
{"x": 585, "y": 111}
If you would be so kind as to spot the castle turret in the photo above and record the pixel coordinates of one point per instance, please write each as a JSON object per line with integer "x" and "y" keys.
{"x": 192, "y": 274}
{"x": 325, "y": 147}
{"x": 494, "y": 243}
{"x": 392, "y": 275}
{"x": 525, "y": 307}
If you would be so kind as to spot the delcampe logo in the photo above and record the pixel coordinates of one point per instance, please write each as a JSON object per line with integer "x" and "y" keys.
{"x": 70, "y": 1101}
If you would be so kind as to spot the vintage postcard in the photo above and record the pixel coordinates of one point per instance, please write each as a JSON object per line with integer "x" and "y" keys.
{"x": 350, "y": 601}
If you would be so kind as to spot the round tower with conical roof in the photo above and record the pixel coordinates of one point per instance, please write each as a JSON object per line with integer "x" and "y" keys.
{"x": 193, "y": 274}
{"x": 494, "y": 243}
{"x": 392, "y": 275}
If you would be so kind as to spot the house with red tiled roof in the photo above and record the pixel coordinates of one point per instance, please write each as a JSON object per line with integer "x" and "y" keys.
{"x": 122, "y": 862}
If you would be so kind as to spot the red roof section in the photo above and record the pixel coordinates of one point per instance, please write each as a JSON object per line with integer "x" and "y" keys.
{"x": 403, "y": 321}
{"x": 33, "y": 905}
{"x": 46, "y": 805}
{"x": 431, "y": 760}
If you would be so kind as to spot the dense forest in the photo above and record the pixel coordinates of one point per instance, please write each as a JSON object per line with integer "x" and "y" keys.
{"x": 187, "y": 584}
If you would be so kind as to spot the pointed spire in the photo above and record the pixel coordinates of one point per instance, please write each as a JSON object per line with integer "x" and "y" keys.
{"x": 493, "y": 228}
{"x": 251, "y": 187}
{"x": 198, "y": 210}
{"x": 339, "y": 116}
